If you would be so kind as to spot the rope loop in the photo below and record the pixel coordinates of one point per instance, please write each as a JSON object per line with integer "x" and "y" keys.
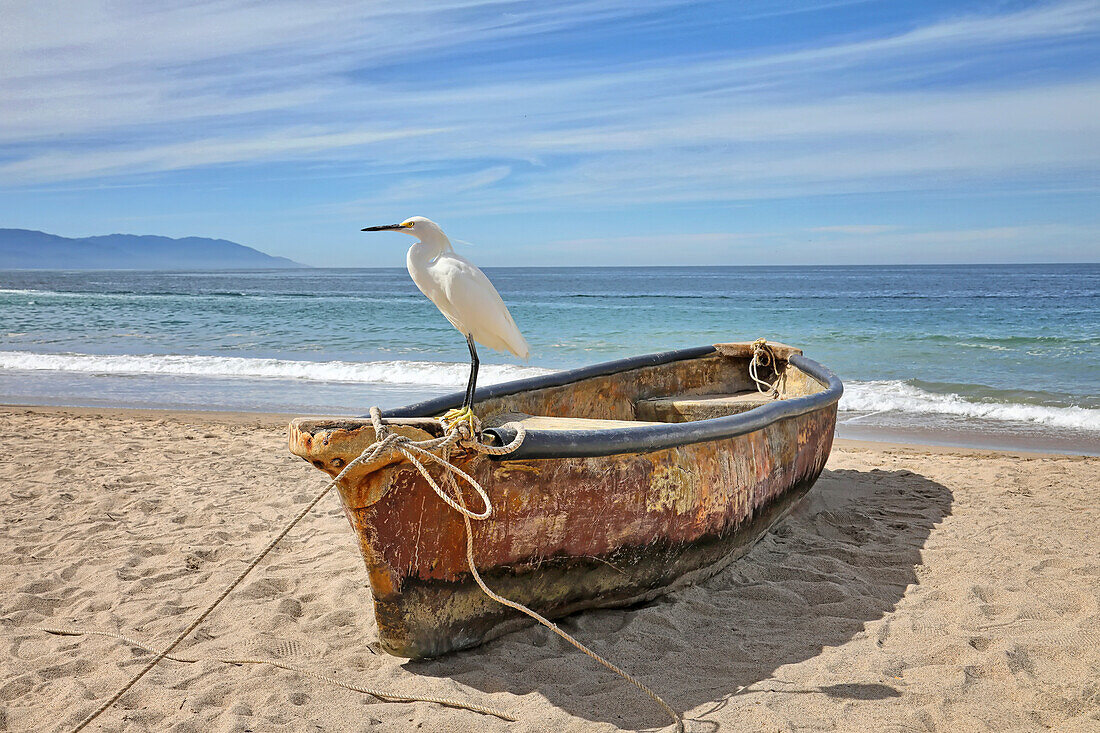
{"x": 764, "y": 357}
{"x": 462, "y": 434}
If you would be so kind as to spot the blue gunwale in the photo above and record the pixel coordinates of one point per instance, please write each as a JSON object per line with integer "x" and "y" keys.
{"x": 643, "y": 438}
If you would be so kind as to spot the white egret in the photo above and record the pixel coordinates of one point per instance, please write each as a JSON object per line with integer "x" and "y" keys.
{"x": 462, "y": 293}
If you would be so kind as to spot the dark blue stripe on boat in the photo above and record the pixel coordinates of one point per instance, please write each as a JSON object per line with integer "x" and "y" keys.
{"x": 644, "y": 438}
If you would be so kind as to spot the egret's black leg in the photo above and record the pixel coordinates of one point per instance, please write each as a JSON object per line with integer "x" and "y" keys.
{"x": 472, "y": 385}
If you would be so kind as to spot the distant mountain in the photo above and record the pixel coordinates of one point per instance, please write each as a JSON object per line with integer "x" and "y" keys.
{"x": 27, "y": 249}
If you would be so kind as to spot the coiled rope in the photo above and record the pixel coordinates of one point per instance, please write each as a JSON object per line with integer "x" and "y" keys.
{"x": 764, "y": 357}
{"x": 460, "y": 434}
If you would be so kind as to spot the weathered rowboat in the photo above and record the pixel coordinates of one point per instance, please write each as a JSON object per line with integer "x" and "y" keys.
{"x": 635, "y": 477}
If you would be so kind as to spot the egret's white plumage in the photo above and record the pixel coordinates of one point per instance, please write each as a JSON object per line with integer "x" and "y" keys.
{"x": 461, "y": 292}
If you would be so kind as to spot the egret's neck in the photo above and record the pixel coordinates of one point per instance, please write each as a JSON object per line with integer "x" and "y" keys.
{"x": 424, "y": 252}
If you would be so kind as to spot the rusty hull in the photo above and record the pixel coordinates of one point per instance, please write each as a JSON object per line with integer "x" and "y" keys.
{"x": 571, "y": 533}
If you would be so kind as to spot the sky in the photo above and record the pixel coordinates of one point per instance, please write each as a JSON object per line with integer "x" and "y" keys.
{"x": 579, "y": 132}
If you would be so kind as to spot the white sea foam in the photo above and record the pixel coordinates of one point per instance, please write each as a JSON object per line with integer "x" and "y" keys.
{"x": 988, "y": 347}
{"x": 421, "y": 373}
{"x": 41, "y": 292}
{"x": 898, "y": 396}
{"x": 876, "y": 396}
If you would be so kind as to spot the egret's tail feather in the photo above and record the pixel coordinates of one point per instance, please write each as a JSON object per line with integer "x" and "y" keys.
{"x": 519, "y": 347}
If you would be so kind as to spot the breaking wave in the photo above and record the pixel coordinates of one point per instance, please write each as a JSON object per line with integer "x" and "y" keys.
{"x": 902, "y": 397}
{"x": 423, "y": 373}
{"x": 872, "y": 396}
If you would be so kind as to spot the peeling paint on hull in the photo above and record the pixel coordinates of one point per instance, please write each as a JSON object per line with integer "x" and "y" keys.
{"x": 566, "y": 533}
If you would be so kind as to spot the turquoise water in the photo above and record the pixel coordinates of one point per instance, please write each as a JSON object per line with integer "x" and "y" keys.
{"x": 986, "y": 350}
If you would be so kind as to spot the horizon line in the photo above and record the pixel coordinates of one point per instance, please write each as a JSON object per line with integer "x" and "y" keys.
{"x": 555, "y": 267}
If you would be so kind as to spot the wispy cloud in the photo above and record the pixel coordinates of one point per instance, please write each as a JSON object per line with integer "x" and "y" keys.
{"x": 864, "y": 244}
{"x": 99, "y": 65}
{"x": 285, "y": 144}
{"x": 854, "y": 229}
{"x": 651, "y": 241}
{"x": 136, "y": 84}
{"x": 485, "y": 106}
{"x": 1025, "y": 243}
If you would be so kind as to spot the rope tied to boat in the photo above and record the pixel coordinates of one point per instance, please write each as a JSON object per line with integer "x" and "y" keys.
{"x": 463, "y": 434}
{"x": 385, "y": 440}
{"x": 763, "y": 357}
{"x": 468, "y": 430}
{"x": 238, "y": 661}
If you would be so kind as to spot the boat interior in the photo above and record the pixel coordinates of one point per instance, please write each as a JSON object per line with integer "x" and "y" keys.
{"x": 558, "y": 410}
{"x": 713, "y": 385}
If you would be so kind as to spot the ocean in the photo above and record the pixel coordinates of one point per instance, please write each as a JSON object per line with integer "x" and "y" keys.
{"x": 983, "y": 355}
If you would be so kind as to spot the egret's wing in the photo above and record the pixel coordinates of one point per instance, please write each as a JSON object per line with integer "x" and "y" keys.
{"x": 427, "y": 283}
{"x": 474, "y": 306}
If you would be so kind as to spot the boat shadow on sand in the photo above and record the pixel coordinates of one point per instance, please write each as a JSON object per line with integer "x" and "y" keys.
{"x": 842, "y": 558}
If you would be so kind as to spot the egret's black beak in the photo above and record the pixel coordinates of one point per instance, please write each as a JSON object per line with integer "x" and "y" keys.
{"x": 384, "y": 228}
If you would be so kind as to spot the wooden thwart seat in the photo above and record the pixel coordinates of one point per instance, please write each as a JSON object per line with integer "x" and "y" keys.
{"x": 685, "y": 408}
{"x": 544, "y": 422}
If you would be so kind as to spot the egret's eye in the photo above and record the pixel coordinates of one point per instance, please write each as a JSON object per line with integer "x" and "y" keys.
{"x": 408, "y": 224}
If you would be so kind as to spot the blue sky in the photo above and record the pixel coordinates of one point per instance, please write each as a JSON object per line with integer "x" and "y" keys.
{"x": 565, "y": 133}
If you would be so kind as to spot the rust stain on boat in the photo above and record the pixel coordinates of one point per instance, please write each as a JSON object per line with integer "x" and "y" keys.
{"x": 572, "y": 532}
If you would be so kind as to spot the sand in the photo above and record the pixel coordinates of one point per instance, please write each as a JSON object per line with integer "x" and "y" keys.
{"x": 914, "y": 589}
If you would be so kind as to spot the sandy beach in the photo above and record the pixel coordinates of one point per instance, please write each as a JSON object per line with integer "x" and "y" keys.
{"x": 914, "y": 588}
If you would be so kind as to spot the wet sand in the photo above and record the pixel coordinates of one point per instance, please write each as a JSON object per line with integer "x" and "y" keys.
{"x": 915, "y": 588}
